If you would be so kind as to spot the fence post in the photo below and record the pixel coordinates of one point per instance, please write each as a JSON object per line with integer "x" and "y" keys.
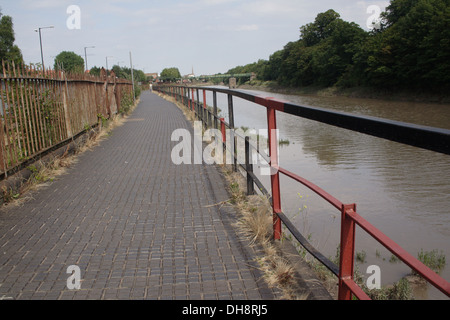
{"x": 249, "y": 167}
{"x": 274, "y": 174}
{"x": 347, "y": 252}
{"x": 66, "y": 111}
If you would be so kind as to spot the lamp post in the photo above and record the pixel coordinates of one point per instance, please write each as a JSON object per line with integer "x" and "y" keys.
{"x": 40, "y": 40}
{"x": 85, "y": 56}
{"x": 107, "y": 64}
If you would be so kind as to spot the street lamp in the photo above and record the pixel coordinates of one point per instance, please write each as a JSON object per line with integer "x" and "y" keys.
{"x": 40, "y": 40}
{"x": 107, "y": 64}
{"x": 85, "y": 56}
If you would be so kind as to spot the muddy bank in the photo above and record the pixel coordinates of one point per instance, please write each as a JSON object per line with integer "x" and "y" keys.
{"x": 357, "y": 92}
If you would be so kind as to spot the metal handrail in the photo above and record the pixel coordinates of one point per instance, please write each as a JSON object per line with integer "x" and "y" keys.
{"x": 434, "y": 139}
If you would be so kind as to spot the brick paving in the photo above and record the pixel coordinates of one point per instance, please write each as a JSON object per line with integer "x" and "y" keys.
{"x": 137, "y": 226}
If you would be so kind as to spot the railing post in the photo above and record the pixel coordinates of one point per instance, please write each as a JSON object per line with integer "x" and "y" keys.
{"x": 347, "y": 252}
{"x": 182, "y": 95}
{"x": 215, "y": 110}
{"x": 197, "y": 107}
{"x": 193, "y": 100}
{"x": 223, "y": 130}
{"x": 180, "y": 91}
{"x": 232, "y": 138}
{"x": 188, "y": 98}
{"x": 249, "y": 167}
{"x": 274, "y": 174}
{"x": 204, "y": 111}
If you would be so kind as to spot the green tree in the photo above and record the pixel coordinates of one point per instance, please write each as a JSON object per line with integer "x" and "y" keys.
{"x": 414, "y": 51}
{"x": 121, "y": 72}
{"x": 396, "y": 10}
{"x": 410, "y": 51}
{"x": 125, "y": 73}
{"x": 170, "y": 74}
{"x": 95, "y": 71}
{"x": 69, "y": 62}
{"x": 8, "y": 50}
{"x": 272, "y": 71}
{"x": 320, "y": 29}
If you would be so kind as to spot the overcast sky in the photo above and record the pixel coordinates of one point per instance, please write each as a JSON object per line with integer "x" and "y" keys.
{"x": 211, "y": 36}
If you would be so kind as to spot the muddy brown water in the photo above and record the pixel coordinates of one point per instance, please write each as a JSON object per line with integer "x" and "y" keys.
{"x": 401, "y": 190}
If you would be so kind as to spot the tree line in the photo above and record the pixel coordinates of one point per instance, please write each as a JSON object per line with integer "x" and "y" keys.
{"x": 409, "y": 50}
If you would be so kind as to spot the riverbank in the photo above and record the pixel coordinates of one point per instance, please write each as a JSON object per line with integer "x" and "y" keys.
{"x": 357, "y": 92}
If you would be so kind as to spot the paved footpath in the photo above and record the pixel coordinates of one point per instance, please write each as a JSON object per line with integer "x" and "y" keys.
{"x": 136, "y": 225}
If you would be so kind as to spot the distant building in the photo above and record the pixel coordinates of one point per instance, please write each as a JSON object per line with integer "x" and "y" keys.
{"x": 153, "y": 75}
{"x": 232, "y": 83}
{"x": 191, "y": 75}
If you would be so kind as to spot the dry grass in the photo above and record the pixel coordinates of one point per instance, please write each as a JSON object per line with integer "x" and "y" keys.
{"x": 256, "y": 224}
{"x": 189, "y": 114}
{"x": 42, "y": 175}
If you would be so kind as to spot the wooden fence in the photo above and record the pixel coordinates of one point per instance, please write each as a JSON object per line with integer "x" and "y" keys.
{"x": 40, "y": 110}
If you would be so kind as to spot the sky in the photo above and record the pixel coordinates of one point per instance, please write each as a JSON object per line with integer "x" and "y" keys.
{"x": 209, "y": 36}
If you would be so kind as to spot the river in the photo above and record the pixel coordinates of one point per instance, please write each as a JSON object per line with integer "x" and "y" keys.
{"x": 401, "y": 190}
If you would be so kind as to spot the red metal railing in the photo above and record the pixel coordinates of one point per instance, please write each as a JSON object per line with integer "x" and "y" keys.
{"x": 439, "y": 140}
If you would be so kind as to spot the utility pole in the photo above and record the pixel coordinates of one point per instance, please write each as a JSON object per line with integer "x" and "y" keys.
{"x": 85, "y": 57}
{"x": 40, "y": 40}
{"x": 107, "y": 64}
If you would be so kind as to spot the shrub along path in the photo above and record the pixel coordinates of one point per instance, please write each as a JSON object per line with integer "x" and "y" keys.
{"x": 136, "y": 225}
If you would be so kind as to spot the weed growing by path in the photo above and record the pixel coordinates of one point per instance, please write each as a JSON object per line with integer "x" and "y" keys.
{"x": 255, "y": 223}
